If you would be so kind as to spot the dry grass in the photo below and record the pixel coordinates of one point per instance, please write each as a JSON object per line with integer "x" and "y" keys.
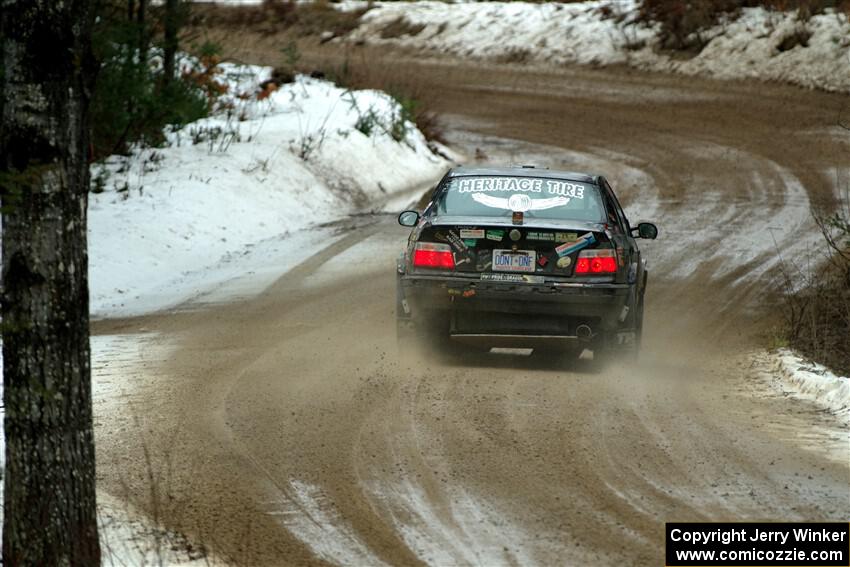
{"x": 515, "y": 55}
{"x": 683, "y": 23}
{"x": 367, "y": 69}
{"x": 799, "y": 37}
{"x": 817, "y": 315}
{"x": 399, "y": 27}
{"x": 273, "y": 16}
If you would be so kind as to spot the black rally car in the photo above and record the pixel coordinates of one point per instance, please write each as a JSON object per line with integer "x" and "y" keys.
{"x": 525, "y": 258}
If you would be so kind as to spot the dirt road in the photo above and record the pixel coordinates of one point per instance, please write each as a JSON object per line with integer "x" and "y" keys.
{"x": 285, "y": 430}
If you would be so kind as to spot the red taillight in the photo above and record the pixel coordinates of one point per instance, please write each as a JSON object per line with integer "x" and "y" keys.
{"x": 432, "y": 255}
{"x": 596, "y": 262}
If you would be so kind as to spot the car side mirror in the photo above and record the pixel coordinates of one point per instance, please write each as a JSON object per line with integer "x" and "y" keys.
{"x": 646, "y": 230}
{"x": 408, "y": 218}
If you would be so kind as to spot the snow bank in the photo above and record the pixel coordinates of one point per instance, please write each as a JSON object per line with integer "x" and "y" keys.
{"x": 810, "y": 381}
{"x": 266, "y": 167}
{"x": 549, "y": 31}
{"x": 604, "y": 32}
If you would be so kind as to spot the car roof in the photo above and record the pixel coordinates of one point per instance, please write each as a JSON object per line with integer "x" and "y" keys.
{"x": 522, "y": 171}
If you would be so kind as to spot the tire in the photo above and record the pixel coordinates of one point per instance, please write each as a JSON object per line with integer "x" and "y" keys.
{"x": 606, "y": 347}
{"x": 639, "y": 325}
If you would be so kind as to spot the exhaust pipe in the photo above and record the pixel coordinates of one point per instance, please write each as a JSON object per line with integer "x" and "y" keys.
{"x": 584, "y": 333}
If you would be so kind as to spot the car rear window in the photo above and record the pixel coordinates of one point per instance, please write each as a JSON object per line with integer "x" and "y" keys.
{"x": 535, "y": 197}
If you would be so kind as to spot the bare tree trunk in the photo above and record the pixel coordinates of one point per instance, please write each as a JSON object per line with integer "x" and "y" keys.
{"x": 143, "y": 32}
{"x": 172, "y": 24}
{"x": 50, "y": 511}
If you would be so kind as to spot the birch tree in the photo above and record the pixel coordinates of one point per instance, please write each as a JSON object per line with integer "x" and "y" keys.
{"x": 47, "y": 68}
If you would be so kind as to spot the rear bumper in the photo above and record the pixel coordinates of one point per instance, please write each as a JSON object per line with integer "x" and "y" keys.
{"x": 548, "y": 311}
{"x": 496, "y": 340}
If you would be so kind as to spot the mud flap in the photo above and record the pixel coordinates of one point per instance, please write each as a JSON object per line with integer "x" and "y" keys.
{"x": 625, "y": 338}
{"x": 402, "y": 308}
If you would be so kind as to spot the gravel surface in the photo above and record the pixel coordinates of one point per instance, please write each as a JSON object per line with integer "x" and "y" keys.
{"x": 288, "y": 431}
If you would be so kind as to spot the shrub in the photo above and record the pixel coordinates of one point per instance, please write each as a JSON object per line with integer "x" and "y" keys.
{"x": 429, "y": 123}
{"x": 367, "y": 122}
{"x": 399, "y": 27}
{"x": 131, "y": 103}
{"x": 683, "y": 23}
{"x": 129, "y": 106}
{"x": 404, "y": 114}
{"x": 799, "y": 37}
{"x": 515, "y": 55}
{"x": 817, "y": 316}
{"x": 415, "y": 106}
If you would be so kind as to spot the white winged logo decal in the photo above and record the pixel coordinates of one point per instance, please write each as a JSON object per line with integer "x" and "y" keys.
{"x": 519, "y": 203}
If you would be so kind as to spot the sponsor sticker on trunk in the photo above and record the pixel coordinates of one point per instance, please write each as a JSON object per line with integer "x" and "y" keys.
{"x": 570, "y": 247}
{"x": 460, "y": 260}
{"x": 466, "y": 233}
{"x": 453, "y": 239}
{"x": 518, "y": 278}
{"x": 484, "y": 260}
{"x": 540, "y": 236}
{"x": 566, "y": 237}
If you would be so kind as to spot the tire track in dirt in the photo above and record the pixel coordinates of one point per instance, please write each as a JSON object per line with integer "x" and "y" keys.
{"x": 507, "y": 460}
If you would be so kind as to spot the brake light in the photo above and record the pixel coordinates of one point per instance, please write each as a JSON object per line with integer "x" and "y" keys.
{"x": 602, "y": 261}
{"x": 433, "y": 255}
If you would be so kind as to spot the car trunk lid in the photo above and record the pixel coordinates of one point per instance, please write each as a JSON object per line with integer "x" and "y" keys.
{"x": 506, "y": 249}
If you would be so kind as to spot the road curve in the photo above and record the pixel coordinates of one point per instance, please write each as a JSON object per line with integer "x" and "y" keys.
{"x": 285, "y": 430}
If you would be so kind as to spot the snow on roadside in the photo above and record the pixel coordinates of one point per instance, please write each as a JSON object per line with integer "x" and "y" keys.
{"x": 468, "y": 530}
{"x": 790, "y": 373}
{"x": 127, "y": 536}
{"x": 268, "y": 168}
{"x": 604, "y": 32}
{"x": 311, "y": 516}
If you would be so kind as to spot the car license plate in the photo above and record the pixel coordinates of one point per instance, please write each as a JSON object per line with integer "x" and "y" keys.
{"x": 513, "y": 260}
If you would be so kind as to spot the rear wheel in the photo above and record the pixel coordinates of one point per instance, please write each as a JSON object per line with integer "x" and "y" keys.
{"x": 618, "y": 344}
{"x": 639, "y": 325}
{"x": 631, "y": 350}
